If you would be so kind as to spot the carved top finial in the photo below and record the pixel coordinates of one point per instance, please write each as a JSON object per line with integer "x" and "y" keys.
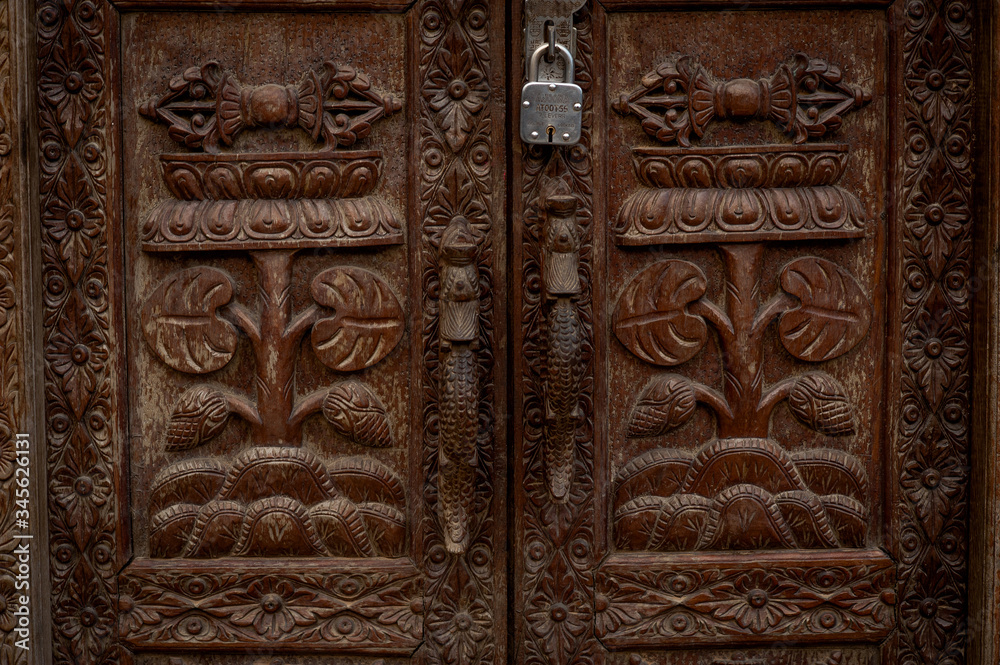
{"x": 805, "y": 98}
{"x": 207, "y": 106}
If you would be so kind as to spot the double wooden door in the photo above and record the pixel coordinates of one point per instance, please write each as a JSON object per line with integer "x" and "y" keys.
{"x": 334, "y": 368}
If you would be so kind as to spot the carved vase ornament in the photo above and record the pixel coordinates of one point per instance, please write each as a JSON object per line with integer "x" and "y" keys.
{"x": 276, "y": 499}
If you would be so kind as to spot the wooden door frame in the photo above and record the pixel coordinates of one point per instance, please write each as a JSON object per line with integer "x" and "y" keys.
{"x": 21, "y": 334}
{"x": 77, "y": 605}
{"x": 923, "y": 586}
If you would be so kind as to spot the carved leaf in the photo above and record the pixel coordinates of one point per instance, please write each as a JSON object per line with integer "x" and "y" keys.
{"x": 667, "y": 402}
{"x": 367, "y": 322}
{"x": 357, "y": 413}
{"x": 833, "y": 315}
{"x": 181, "y": 323}
{"x": 200, "y": 414}
{"x": 819, "y": 401}
{"x": 652, "y": 318}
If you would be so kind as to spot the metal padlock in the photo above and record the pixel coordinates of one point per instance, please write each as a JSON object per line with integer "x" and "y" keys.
{"x": 551, "y": 112}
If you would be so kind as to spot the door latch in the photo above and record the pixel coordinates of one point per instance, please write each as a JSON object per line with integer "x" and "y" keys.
{"x": 551, "y": 112}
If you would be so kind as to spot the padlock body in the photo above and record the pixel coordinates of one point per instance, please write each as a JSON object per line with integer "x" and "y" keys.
{"x": 551, "y": 104}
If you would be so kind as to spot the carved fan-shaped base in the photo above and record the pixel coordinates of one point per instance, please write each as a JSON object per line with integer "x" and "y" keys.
{"x": 740, "y": 494}
{"x": 278, "y": 502}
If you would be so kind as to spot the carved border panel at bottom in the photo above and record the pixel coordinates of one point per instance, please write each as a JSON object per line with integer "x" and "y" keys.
{"x": 743, "y": 598}
{"x": 370, "y": 606}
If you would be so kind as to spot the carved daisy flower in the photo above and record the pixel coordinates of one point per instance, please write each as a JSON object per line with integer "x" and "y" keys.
{"x": 70, "y": 82}
{"x": 72, "y": 218}
{"x": 932, "y": 477}
{"x": 934, "y": 350}
{"x": 758, "y": 601}
{"x": 931, "y": 611}
{"x": 939, "y": 77}
{"x": 273, "y": 606}
{"x": 938, "y": 214}
{"x": 456, "y": 89}
{"x": 460, "y": 620}
{"x": 85, "y": 619}
{"x": 77, "y": 353}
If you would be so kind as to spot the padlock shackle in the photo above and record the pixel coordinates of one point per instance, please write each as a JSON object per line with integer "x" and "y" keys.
{"x": 537, "y": 56}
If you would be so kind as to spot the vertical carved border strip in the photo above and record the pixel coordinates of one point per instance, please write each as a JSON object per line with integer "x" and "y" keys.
{"x": 934, "y": 40}
{"x": 458, "y": 175}
{"x": 13, "y": 326}
{"x": 83, "y": 368}
{"x": 556, "y": 542}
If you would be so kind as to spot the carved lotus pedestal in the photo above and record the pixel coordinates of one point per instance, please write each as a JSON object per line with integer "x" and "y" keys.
{"x": 744, "y": 490}
{"x": 739, "y": 194}
{"x": 271, "y": 201}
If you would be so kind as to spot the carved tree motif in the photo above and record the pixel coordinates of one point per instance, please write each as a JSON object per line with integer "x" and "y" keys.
{"x": 275, "y": 501}
{"x": 662, "y": 317}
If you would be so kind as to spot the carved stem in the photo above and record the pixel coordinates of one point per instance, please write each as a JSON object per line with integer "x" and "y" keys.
{"x": 301, "y": 324}
{"x": 742, "y": 357}
{"x": 714, "y": 401}
{"x": 275, "y": 354}
{"x": 245, "y": 321}
{"x": 241, "y": 407}
{"x": 773, "y": 397}
{"x": 305, "y": 407}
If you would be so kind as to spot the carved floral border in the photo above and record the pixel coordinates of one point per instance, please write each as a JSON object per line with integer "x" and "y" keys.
{"x": 932, "y": 449}
{"x": 556, "y": 542}
{"x": 84, "y": 442}
{"x": 456, "y": 149}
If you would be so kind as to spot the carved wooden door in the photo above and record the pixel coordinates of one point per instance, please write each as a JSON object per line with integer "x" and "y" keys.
{"x": 276, "y": 274}
{"x": 273, "y": 277}
{"x": 741, "y": 425}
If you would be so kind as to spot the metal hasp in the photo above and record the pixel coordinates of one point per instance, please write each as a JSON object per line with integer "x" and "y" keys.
{"x": 551, "y": 112}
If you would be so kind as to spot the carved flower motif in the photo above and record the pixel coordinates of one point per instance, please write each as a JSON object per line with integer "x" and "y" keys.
{"x": 937, "y": 214}
{"x": 459, "y": 621}
{"x": 934, "y": 350}
{"x": 131, "y": 616}
{"x": 757, "y": 600}
{"x": 8, "y": 603}
{"x": 931, "y": 611}
{"x": 272, "y": 606}
{"x": 932, "y": 477}
{"x": 558, "y": 614}
{"x": 80, "y": 487}
{"x": 939, "y": 77}
{"x": 8, "y": 452}
{"x": 85, "y": 618}
{"x": 71, "y": 82}
{"x": 456, "y": 89}
{"x": 72, "y": 218}
{"x": 77, "y": 353}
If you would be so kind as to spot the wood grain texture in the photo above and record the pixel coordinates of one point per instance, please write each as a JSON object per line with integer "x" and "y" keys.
{"x": 984, "y": 517}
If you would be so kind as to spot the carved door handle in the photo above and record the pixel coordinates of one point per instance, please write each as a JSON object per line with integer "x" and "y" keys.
{"x": 564, "y": 341}
{"x": 458, "y": 331}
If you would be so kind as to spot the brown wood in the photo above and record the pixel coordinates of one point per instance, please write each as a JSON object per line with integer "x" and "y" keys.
{"x": 278, "y": 277}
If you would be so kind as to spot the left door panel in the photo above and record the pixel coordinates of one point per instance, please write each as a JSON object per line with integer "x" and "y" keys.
{"x": 269, "y": 245}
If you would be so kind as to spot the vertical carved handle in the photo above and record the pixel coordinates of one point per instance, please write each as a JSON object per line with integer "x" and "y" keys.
{"x": 458, "y": 328}
{"x": 564, "y": 342}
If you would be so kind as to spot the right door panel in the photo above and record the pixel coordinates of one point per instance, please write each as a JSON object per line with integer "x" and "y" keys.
{"x": 743, "y": 424}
